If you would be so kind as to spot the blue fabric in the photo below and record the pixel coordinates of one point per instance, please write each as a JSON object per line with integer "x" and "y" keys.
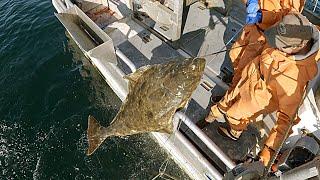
{"x": 254, "y": 14}
{"x": 252, "y": 1}
{"x": 253, "y": 8}
{"x": 254, "y": 18}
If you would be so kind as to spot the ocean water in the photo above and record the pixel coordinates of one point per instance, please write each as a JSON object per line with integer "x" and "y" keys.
{"x": 47, "y": 90}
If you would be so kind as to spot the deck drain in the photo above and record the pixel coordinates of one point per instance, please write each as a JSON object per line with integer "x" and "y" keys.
{"x": 146, "y": 38}
{"x": 165, "y": 28}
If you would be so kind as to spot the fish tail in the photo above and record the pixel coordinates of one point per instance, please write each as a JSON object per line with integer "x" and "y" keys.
{"x": 96, "y": 135}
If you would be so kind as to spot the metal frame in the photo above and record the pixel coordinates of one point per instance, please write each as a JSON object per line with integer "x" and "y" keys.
{"x": 171, "y": 29}
{"x": 205, "y": 139}
{"x": 305, "y": 171}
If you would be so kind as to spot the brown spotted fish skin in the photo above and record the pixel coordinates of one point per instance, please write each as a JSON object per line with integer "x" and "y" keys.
{"x": 156, "y": 92}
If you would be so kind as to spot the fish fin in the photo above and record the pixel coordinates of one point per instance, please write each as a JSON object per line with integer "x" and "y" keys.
{"x": 95, "y": 135}
{"x": 137, "y": 74}
{"x": 168, "y": 130}
{"x": 133, "y": 77}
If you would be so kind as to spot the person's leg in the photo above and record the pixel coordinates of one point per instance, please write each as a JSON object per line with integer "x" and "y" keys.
{"x": 235, "y": 128}
{"x": 249, "y": 104}
{"x": 240, "y": 55}
{"x": 219, "y": 109}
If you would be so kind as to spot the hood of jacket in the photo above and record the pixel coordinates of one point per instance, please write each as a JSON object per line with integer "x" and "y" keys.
{"x": 315, "y": 47}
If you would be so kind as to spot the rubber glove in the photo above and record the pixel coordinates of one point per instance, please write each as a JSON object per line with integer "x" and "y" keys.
{"x": 254, "y": 18}
{"x": 254, "y": 13}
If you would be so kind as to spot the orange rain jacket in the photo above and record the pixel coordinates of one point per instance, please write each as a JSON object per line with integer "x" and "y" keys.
{"x": 272, "y": 12}
{"x": 265, "y": 79}
{"x": 273, "y": 81}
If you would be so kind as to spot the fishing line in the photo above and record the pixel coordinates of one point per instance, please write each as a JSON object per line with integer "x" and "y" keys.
{"x": 230, "y": 40}
{"x": 218, "y": 52}
{"x": 164, "y": 165}
{"x": 222, "y": 50}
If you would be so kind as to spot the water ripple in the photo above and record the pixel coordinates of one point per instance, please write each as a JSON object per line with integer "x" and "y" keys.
{"x": 47, "y": 90}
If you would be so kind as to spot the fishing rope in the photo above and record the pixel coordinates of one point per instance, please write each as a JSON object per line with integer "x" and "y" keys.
{"x": 217, "y": 52}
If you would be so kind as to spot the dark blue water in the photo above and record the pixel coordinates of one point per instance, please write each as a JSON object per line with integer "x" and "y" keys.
{"x": 47, "y": 90}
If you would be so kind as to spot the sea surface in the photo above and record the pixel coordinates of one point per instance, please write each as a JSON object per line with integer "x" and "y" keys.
{"x": 47, "y": 90}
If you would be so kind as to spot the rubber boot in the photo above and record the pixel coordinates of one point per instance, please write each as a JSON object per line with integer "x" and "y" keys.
{"x": 230, "y": 133}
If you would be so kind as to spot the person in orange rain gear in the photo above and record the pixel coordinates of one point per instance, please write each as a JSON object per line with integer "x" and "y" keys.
{"x": 273, "y": 81}
{"x": 261, "y": 14}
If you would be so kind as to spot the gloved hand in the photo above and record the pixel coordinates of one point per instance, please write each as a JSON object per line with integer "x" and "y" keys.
{"x": 254, "y": 18}
{"x": 265, "y": 155}
{"x": 252, "y": 6}
{"x": 254, "y": 13}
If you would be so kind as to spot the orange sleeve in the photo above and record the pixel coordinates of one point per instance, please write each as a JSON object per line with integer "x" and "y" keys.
{"x": 277, "y": 133}
{"x": 269, "y": 18}
{"x": 317, "y": 57}
{"x": 290, "y": 86}
{"x": 274, "y": 10}
{"x": 276, "y": 136}
{"x": 293, "y": 5}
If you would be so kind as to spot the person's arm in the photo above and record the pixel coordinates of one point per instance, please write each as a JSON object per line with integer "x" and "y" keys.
{"x": 276, "y": 136}
{"x": 273, "y": 11}
{"x": 269, "y": 18}
{"x": 290, "y": 87}
{"x": 293, "y": 5}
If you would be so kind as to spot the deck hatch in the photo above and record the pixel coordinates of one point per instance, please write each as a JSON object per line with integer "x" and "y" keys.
{"x": 94, "y": 42}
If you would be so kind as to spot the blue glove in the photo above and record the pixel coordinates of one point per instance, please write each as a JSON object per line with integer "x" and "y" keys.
{"x": 252, "y": 1}
{"x": 252, "y": 7}
{"x": 254, "y": 18}
{"x": 254, "y": 13}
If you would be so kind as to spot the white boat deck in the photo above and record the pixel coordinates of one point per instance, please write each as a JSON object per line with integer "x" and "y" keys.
{"x": 135, "y": 46}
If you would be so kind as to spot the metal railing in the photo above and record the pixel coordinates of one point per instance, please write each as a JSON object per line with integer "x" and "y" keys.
{"x": 126, "y": 60}
{"x": 205, "y": 139}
